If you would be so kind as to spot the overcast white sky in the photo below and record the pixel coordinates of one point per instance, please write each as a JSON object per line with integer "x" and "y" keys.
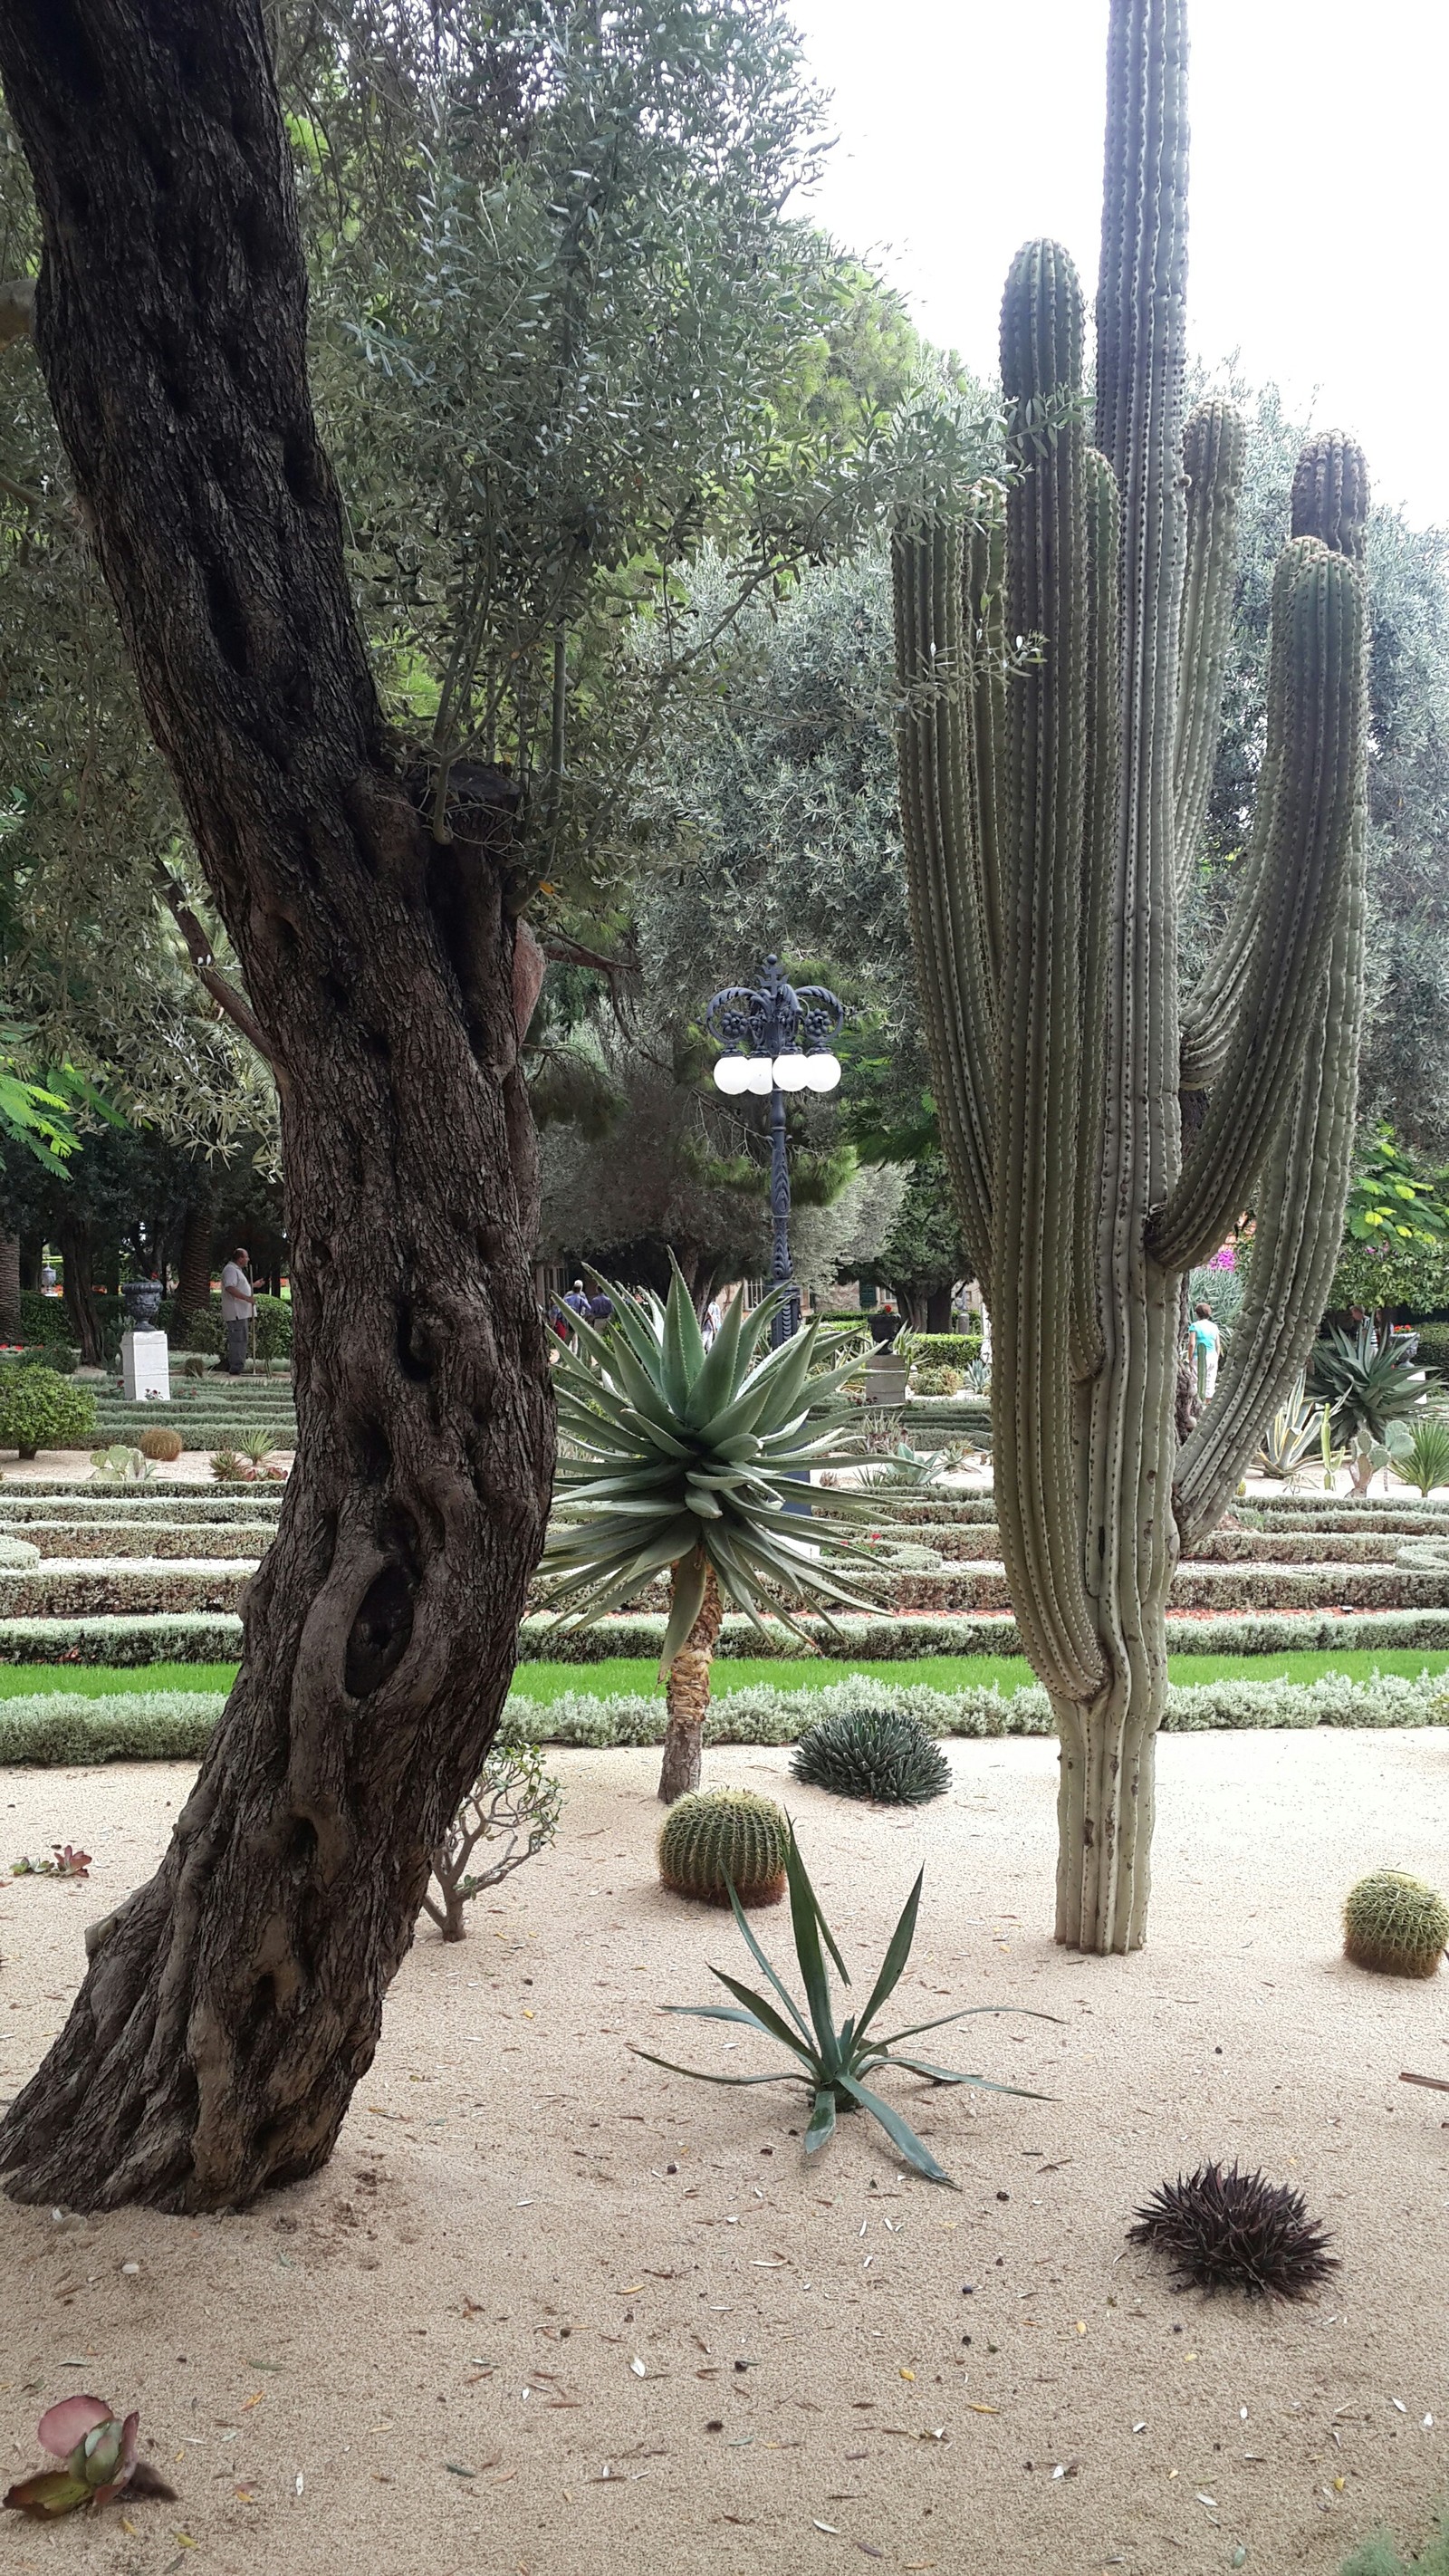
{"x": 1320, "y": 186}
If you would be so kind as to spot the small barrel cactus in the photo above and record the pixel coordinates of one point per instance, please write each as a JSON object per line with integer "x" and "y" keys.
{"x": 714, "y": 1834}
{"x": 878, "y": 1753}
{"x": 161, "y": 1442}
{"x": 1396, "y": 1924}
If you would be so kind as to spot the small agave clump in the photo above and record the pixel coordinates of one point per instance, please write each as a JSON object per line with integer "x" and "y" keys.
{"x": 98, "y": 2448}
{"x": 1395, "y": 1924}
{"x": 876, "y": 1753}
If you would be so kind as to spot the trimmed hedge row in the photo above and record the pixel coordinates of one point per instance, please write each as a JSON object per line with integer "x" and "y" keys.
{"x": 199, "y": 1637}
{"x": 112, "y": 1586}
{"x": 113, "y": 1540}
{"x": 1210, "y": 1587}
{"x": 188, "y": 1637}
{"x": 173, "y": 1726}
{"x": 135, "y": 1506}
{"x": 884, "y": 1640}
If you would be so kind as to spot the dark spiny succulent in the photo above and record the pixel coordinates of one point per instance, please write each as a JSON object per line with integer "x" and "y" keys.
{"x": 877, "y": 1753}
{"x": 1237, "y": 2231}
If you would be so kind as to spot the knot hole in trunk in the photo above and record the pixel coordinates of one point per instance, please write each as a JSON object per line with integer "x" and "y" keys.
{"x": 378, "y": 1638}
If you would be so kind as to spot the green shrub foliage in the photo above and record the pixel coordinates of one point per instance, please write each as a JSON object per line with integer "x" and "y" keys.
{"x": 40, "y": 1410}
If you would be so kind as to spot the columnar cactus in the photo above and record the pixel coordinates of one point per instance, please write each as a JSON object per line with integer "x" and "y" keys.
{"x": 1103, "y": 1134}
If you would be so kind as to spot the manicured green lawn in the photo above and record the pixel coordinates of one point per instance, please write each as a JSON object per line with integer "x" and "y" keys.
{"x": 630, "y": 1673}
{"x": 960, "y": 1672}
{"x": 98, "y": 1681}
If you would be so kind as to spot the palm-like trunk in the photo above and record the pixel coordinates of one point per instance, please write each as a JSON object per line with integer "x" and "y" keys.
{"x": 193, "y": 1282}
{"x": 234, "y": 2002}
{"x": 688, "y": 1696}
{"x": 10, "y": 1327}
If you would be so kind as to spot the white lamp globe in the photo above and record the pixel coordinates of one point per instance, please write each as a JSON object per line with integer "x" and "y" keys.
{"x": 822, "y": 1072}
{"x": 759, "y": 1074}
{"x": 792, "y": 1071}
{"x": 732, "y": 1074}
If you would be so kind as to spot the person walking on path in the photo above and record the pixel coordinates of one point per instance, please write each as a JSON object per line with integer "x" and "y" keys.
{"x": 238, "y": 1303}
{"x": 1207, "y": 1343}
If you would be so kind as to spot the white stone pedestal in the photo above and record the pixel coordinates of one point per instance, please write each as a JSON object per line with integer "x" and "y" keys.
{"x": 145, "y": 1367}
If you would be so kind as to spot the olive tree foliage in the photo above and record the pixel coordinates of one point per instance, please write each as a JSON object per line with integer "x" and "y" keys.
{"x": 567, "y": 334}
{"x": 92, "y": 959}
{"x": 771, "y": 818}
{"x": 1404, "y": 1071}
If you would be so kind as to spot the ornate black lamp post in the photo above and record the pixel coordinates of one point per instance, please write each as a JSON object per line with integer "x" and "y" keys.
{"x": 776, "y": 1040}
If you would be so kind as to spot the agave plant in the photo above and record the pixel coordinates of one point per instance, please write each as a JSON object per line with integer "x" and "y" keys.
{"x": 1293, "y": 1431}
{"x": 833, "y": 2060}
{"x": 915, "y": 1470}
{"x": 1366, "y": 1383}
{"x": 1424, "y": 1461}
{"x": 700, "y": 1461}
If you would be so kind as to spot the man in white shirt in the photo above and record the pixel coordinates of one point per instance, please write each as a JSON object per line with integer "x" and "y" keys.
{"x": 237, "y": 1302}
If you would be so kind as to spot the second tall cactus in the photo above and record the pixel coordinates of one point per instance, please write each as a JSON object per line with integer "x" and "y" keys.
{"x": 1103, "y": 1131}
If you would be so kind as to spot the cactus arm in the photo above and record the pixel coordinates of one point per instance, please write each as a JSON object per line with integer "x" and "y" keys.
{"x": 1330, "y": 501}
{"x": 943, "y": 862}
{"x": 1300, "y": 1206}
{"x": 1104, "y": 539}
{"x": 1304, "y": 885}
{"x": 1331, "y": 494}
{"x": 1214, "y": 451}
{"x": 985, "y": 567}
{"x": 1040, "y": 1048}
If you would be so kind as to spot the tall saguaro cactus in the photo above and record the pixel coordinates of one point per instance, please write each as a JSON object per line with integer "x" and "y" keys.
{"x": 1103, "y": 1132}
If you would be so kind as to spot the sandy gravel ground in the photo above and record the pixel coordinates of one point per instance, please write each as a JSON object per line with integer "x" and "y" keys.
{"x": 551, "y": 2311}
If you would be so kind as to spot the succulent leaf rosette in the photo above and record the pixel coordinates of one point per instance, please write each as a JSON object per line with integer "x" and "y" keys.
{"x": 99, "y": 2452}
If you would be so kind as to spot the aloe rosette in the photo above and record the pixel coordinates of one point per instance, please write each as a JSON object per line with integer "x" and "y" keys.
{"x": 699, "y": 1461}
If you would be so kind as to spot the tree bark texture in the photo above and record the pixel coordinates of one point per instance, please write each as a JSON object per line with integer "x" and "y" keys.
{"x": 236, "y": 1999}
{"x": 77, "y": 1255}
{"x": 10, "y": 1288}
{"x": 193, "y": 1281}
{"x": 688, "y": 1698}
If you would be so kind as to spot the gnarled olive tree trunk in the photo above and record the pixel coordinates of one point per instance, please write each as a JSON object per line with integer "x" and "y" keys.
{"x": 233, "y": 2003}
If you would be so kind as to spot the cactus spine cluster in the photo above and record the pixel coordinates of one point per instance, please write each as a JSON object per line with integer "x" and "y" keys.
{"x": 1103, "y": 1134}
{"x": 712, "y": 1835}
{"x": 1396, "y": 1924}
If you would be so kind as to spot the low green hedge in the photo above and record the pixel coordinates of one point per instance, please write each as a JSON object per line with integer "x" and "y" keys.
{"x": 137, "y": 1507}
{"x": 174, "y": 1726}
{"x": 1207, "y": 1587}
{"x": 205, "y": 1638}
{"x": 188, "y": 1637}
{"x": 107, "y": 1587}
{"x": 112, "y": 1540}
{"x": 161, "y": 1498}
{"x": 887, "y": 1640}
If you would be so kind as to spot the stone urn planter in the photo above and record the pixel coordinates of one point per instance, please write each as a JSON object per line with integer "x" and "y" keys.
{"x": 142, "y": 1301}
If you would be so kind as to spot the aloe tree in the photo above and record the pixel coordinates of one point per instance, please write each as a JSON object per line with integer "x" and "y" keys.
{"x": 1103, "y": 1133}
{"x": 695, "y": 1460}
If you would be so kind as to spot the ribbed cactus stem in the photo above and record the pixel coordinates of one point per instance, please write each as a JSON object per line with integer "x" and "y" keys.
{"x": 1046, "y": 886}
{"x": 1039, "y": 1091}
{"x": 948, "y": 900}
{"x": 1331, "y": 494}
